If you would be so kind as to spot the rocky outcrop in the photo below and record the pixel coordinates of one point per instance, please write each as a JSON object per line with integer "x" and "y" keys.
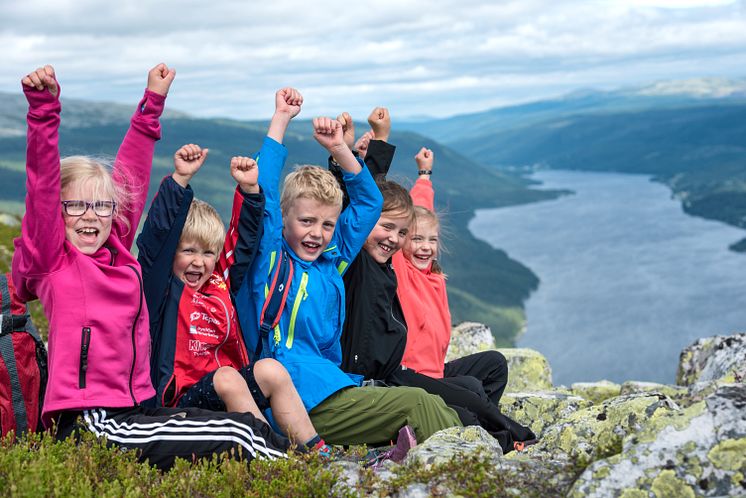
{"x": 540, "y": 410}
{"x": 699, "y": 451}
{"x": 713, "y": 358}
{"x": 601, "y": 439}
{"x": 468, "y": 338}
{"x": 442, "y": 446}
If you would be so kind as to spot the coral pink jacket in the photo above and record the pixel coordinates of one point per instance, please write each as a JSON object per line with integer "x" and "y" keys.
{"x": 99, "y": 344}
{"x": 425, "y": 304}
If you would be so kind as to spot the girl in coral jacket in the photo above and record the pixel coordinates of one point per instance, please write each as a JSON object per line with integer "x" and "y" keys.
{"x": 424, "y": 301}
{"x": 73, "y": 254}
{"x": 421, "y": 291}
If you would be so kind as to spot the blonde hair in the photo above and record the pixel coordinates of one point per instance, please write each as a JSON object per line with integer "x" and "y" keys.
{"x": 204, "y": 226}
{"x": 424, "y": 214}
{"x": 81, "y": 170}
{"x": 310, "y": 182}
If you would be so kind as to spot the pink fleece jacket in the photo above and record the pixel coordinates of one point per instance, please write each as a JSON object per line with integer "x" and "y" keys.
{"x": 424, "y": 301}
{"x": 99, "y": 343}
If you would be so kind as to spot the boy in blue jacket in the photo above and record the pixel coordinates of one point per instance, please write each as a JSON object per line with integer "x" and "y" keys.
{"x": 198, "y": 355}
{"x": 307, "y": 226}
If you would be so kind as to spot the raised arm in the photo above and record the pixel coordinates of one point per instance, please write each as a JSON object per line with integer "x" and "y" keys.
{"x": 380, "y": 153}
{"x": 135, "y": 157}
{"x": 288, "y": 102}
{"x": 40, "y": 247}
{"x": 159, "y": 239}
{"x": 246, "y": 227}
{"x": 271, "y": 158}
{"x": 329, "y": 133}
{"x": 365, "y": 200}
{"x": 422, "y": 191}
{"x": 380, "y": 122}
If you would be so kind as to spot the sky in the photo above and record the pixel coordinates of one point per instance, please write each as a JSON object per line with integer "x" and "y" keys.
{"x": 418, "y": 57}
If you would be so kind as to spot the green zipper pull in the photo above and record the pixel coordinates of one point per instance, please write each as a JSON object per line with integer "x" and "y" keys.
{"x": 300, "y": 296}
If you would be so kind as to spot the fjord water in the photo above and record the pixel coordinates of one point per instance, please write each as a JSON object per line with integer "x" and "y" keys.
{"x": 627, "y": 278}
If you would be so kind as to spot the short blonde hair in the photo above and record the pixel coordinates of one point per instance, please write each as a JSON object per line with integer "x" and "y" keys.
{"x": 310, "y": 182}
{"x": 80, "y": 170}
{"x": 204, "y": 226}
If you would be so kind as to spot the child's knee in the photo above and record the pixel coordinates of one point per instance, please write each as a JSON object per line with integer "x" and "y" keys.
{"x": 271, "y": 373}
{"x": 226, "y": 380}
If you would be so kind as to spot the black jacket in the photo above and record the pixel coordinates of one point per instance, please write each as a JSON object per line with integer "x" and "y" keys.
{"x": 375, "y": 333}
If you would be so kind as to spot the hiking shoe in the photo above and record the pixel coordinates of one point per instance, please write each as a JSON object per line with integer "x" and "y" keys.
{"x": 404, "y": 442}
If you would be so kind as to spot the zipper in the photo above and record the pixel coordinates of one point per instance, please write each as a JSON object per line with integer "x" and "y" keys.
{"x": 301, "y": 296}
{"x": 227, "y": 332}
{"x": 85, "y": 343}
{"x": 134, "y": 327}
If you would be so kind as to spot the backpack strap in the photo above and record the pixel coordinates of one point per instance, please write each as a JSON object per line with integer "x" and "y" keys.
{"x": 5, "y": 294}
{"x": 274, "y": 302}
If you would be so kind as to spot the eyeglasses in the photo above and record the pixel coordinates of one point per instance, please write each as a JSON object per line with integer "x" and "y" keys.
{"x": 78, "y": 208}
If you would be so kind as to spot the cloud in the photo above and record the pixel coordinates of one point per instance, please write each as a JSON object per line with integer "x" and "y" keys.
{"x": 438, "y": 57}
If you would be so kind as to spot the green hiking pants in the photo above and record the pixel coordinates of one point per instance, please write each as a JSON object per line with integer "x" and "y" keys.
{"x": 374, "y": 415}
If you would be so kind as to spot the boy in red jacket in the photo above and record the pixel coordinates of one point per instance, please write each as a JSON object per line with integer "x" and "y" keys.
{"x": 199, "y": 357}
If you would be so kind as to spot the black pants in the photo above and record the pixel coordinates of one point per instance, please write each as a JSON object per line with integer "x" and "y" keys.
{"x": 490, "y": 368}
{"x": 162, "y": 434}
{"x": 473, "y": 399}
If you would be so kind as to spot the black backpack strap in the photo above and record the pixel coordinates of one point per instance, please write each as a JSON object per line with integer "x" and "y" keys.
{"x": 5, "y": 294}
{"x": 274, "y": 303}
{"x": 19, "y": 405}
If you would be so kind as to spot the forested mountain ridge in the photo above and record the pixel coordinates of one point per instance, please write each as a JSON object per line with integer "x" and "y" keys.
{"x": 694, "y": 143}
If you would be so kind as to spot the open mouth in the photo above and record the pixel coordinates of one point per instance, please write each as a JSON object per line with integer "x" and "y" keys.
{"x": 87, "y": 233}
{"x": 193, "y": 277}
{"x": 311, "y": 246}
{"x": 423, "y": 257}
{"x": 386, "y": 249}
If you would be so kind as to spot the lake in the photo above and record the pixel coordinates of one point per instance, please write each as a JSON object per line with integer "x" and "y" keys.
{"x": 627, "y": 278}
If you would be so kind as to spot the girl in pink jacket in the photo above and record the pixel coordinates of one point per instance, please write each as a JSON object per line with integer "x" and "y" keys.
{"x": 73, "y": 254}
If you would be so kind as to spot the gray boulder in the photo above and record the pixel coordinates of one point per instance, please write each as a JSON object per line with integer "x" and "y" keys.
{"x": 698, "y": 451}
{"x": 713, "y": 358}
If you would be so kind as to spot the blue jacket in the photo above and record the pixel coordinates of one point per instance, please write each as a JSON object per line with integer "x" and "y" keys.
{"x": 306, "y": 341}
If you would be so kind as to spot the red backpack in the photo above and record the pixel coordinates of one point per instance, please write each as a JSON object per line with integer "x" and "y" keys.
{"x": 23, "y": 365}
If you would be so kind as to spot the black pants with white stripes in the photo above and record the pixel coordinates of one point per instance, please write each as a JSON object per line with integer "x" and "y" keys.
{"x": 160, "y": 435}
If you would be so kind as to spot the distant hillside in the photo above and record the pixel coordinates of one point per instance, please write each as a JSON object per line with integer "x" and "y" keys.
{"x": 690, "y": 136}
{"x": 484, "y": 284}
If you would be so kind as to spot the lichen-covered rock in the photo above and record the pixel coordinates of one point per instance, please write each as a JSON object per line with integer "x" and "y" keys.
{"x": 597, "y": 431}
{"x": 679, "y": 394}
{"x": 713, "y": 358}
{"x": 469, "y": 338}
{"x": 454, "y": 442}
{"x": 539, "y": 410}
{"x": 528, "y": 370}
{"x": 697, "y": 451}
{"x": 596, "y": 392}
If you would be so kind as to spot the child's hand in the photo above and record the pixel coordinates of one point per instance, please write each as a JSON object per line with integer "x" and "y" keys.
{"x": 42, "y": 78}
{"x": 187, "y": 161}
{"x": 288, "y": 101}
{"x": 424, "y": 159}
{"x": 160, "y": 79}
{"x": 380, "y": 121}
{"x": 361, "y": 146}
{"x": 246, "y": 173}
{"x": 328, "y": 132}
{"x": 348, "y": 128}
